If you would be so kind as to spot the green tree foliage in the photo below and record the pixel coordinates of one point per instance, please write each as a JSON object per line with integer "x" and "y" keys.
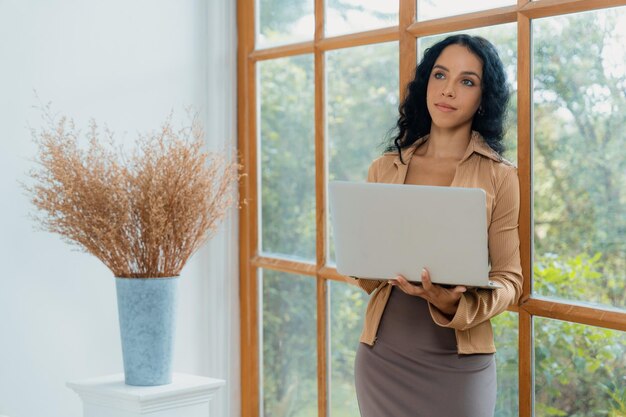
{"x": 276, "y": 18}
{"x": 362, "y": 101}
{"x": 288, "y": 157}
{"x": 580, "y": 208}
{"x": 573, "y": 362}
{"x": 347, "y": 310}
{"x": 580, "y": 114}
{"x": 289, "y": 345}
{"x": 505, "y": 328}
{"x": 618, "y": 401}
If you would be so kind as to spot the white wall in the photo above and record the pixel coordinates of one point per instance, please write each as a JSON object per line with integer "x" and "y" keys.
{"x": 126, "y": 63}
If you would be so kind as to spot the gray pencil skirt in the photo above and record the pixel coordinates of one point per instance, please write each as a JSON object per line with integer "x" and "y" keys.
{"x": 413, "y": 369}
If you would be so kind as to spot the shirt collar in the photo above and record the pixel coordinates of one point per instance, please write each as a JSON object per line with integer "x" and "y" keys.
{"x": 477, "y": 144}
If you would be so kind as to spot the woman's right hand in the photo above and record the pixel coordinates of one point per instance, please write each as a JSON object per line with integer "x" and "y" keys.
{"x": 445, "y": 299}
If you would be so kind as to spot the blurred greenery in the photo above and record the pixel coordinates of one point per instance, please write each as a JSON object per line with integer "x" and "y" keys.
{"x": 280, "y": 21}
{"x": 580, "y": 165}
{"x": 288, "y": 157}
{"x": 574, "y": 363}
{"x": 579, "y": 175}
{"x": 289, "y": 345}
{"x": 505, "y": 329}
{"x": 346, "y": 317}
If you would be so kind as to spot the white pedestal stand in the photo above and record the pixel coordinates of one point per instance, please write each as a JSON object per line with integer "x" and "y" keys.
{"x": 108, "y": 396}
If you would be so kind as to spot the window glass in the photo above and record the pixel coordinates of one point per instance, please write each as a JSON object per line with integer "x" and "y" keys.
{"x": 287, "y": 153}
{"x": 289, "y": 344}
{"x": 506, "y": 330}
{"x": 579, "y": 370}
{"x": 349, "y": 16}
{"x": 579, "y": 163}
{"x": 284, "y": 21}
{"x": 347, "y": 310}
{"x": 435, "y": 9}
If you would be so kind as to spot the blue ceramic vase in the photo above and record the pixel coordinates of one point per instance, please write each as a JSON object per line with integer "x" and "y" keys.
{"x": 147, "y": 314}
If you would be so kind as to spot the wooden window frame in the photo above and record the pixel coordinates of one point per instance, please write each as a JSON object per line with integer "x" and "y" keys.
{"x": 406, "y": 33}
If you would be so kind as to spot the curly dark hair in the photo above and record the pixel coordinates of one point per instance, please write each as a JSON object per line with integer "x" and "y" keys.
{"x": 415, "y": 121}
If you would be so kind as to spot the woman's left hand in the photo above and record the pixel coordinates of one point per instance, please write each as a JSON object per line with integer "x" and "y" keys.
{"x": 445, "y": 299}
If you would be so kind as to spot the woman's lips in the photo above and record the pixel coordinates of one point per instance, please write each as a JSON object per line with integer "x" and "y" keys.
{"x": 445, "y": 107}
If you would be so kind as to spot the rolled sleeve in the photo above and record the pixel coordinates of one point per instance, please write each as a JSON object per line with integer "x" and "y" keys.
{"x": 368, "y": 285}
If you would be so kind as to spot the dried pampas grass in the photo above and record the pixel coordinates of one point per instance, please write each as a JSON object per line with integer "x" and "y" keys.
{"x": 142, "y": 216}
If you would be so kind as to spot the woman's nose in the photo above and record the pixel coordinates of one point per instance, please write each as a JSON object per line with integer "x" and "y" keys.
{"x": 448, "y": 91}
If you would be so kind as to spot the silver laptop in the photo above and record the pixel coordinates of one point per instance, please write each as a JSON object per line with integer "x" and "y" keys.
{"x": 384, "y": 230}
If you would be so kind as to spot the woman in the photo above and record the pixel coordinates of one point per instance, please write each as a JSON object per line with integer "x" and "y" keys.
{"x": 427, "y": 350}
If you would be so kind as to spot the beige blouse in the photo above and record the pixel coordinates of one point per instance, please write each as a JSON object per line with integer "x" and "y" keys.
{"x": 480, "y": 167}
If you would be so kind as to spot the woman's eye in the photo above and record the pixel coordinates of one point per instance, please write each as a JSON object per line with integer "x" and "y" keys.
{"x": 438, "y": 75}
{"x": 468, "y": 83}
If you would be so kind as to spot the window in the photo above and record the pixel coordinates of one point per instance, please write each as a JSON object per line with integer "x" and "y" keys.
{"x": 319, "y": 84}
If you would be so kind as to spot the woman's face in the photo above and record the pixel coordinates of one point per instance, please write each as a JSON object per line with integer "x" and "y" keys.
{"x": 454, "y": 87}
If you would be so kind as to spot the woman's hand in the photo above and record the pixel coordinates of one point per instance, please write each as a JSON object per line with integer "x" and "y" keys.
{"x": 445, "y": 299}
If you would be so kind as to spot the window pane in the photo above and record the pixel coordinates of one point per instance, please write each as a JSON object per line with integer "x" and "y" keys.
{"x": 579, "y": 370}
{"x": 579, "y": 160}
{"x": 287, "y": 157}
{"x": 284, "y": 21}
{"x": 349, "y": 16}
{"x": 362, "y": 106}
{"x": 347, "y": 310}
{"x": 505, "y": 328}
{"x": 289, "y": 345}
{"x": 435, "y": 9}
{"x": 504, "y": 38}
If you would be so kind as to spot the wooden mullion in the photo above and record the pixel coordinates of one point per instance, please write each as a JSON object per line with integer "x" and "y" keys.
{"x": 283, "y": 265}
{"x": 526, "y": 365}
{"x": 524, "y": 163}
{"x": 331, "y": 273}
{"x": 320, "y": 214}
{"x": 323, "y": 397}
{"x": 546, "y": 8}
{"x": 358, "y": 39}
{"x": 248, "y": 224}
{"x": 283, "y": 51}
{"x": 408, "y": 45}
{"x": 326, "y": 44}
{"x": 464, "y": 21}
{"x": 576, "y": 313}
{"x": 524, "y": 149}
{"x": 513, "y": 309}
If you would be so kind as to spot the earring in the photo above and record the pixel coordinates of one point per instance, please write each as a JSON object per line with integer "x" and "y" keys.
{"x": 481, "y": 111}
